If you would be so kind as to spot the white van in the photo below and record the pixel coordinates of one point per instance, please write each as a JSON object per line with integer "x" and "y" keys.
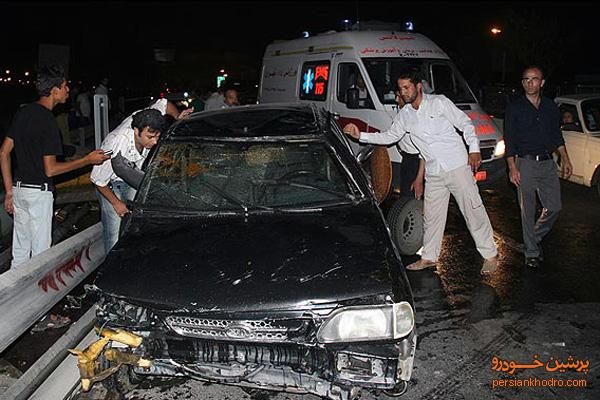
{"x": 322, "y": 68}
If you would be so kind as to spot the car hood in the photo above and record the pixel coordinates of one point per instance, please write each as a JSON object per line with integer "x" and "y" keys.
{"x": 255, "y": 263}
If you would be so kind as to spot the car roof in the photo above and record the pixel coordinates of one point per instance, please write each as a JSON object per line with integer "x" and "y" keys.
{"x": 578, "y": 96}
{"x": 282, "y": 119}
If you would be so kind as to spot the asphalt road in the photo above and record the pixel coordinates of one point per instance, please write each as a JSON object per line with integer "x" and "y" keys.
{"x": 465, "y": 321}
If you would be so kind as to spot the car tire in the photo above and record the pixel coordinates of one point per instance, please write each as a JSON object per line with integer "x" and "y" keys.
{"x": 405, "y": 220}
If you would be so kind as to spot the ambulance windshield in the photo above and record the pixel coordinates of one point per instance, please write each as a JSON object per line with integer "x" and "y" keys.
{"x": 441, "y": 77}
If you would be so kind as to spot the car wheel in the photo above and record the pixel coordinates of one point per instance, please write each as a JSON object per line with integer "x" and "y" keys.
{"x": 405, "y": 220}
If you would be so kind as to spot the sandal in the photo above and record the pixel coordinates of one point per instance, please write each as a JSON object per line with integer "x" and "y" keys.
{"x": 421, "y": 264}
{"x": 51, "y": 321}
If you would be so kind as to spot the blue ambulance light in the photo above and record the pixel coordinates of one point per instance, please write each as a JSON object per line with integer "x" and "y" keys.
{"x": 408, "y": 25}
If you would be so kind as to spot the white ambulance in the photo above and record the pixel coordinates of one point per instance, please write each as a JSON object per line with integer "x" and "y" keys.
{"x": 327, "y": 69}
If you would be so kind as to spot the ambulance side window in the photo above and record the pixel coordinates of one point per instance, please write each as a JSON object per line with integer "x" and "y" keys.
{"x": 349, "y": 76}
{"x": 314, "y": 80}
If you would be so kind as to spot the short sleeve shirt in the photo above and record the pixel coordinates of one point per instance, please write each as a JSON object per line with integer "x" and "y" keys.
{"x": 35, "y": 134}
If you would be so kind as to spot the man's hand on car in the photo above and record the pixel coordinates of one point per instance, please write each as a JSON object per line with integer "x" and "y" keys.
{"x": 185, "y": 113}
{"x": 120, "y": 208}
{"x": 352, "y": 130}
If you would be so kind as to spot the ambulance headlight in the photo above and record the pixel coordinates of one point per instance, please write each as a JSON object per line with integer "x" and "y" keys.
{"x": 500, "y": 148}
{"x": 367, "y": 323}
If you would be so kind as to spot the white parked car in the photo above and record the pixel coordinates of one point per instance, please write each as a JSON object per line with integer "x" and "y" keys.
{"x": 580, "y": 127}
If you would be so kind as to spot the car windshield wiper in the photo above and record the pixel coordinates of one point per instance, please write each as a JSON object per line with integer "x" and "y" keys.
{"x": 228, "y": 196}
{"x": 351, "y": 199}
{"x": 170, "y": 210}
{"x": 289, "y": 182}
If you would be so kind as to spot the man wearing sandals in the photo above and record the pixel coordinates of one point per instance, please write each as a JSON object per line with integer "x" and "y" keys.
{"x": 430, "y": 122}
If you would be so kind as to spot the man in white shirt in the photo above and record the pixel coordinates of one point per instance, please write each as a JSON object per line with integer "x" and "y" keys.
{"x": 430, "y": 121}
{"x": 215, "y": 100}
{"x": 84, "y": 107}
{"x": 133, "y": 139}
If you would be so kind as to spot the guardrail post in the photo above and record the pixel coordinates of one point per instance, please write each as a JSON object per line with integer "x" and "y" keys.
{"x": 100, "y": 118}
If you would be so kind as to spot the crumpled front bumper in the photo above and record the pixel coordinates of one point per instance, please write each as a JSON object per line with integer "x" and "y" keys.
{"x": 336, "y": 372}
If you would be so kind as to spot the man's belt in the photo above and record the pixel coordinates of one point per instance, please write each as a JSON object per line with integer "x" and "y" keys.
{"x": 536, "y": 157}
{"x": 42, "y": 187}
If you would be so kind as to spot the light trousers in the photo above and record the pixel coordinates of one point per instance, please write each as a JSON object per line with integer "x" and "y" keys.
{"x": 111, "y": 221}
{"x": 32, "y": 224}
{"x": 461, "y": 183}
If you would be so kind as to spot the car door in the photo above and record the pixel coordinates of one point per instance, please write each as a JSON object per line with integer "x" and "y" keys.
{"x": 347, "y": 73}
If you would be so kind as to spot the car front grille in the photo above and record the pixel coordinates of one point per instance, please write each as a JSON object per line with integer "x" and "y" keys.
{"x": 268, "y": 331}
{"x": 211, "y": 352}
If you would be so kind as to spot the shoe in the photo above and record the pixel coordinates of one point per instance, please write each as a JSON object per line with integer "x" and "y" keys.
{"x": 51, "y": 321}
{"x": 421, "y": 264}
{"x": 489, "y": 265}
{"x": 532, "y": 262}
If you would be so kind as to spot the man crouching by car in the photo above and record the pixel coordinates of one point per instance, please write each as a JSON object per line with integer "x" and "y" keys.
{"x": 132, "y": 139}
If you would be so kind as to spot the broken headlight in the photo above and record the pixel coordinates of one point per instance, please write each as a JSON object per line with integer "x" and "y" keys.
{"x": 115, "y": 312}
{"x": 365, "y": 323}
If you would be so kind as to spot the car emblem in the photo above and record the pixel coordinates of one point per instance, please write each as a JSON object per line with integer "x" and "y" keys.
{"x": 238, "y": 332}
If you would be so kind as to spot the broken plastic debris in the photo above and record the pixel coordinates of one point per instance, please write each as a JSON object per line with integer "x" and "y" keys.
{"x": 86, "y": 383}
{"x": 127, "y": 358}
{"x": 92, "y": 352}
{"x": 86, "y": 359}
{"x": 121, "y": 336}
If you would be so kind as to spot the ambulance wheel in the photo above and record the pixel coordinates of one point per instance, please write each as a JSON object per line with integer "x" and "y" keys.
{"x": 405, "y": 220}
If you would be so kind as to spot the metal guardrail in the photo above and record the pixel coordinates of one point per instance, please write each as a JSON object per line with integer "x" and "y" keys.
{"x": 30, "y": 290}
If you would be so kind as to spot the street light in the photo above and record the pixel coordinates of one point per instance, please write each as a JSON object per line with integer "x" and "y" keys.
{"x": 495, "y": 31}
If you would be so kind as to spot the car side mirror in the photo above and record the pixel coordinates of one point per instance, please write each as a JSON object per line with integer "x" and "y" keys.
{"x": 127, "y": 171}
{"x": 352, "y": 98}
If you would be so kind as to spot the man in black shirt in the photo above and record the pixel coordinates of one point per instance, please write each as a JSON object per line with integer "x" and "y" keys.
{"x": 532, "y": 133}
{"x": 36, "y": 141}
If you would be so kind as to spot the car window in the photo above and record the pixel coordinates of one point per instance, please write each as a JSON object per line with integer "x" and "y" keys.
{"x": 591, "y": 114}
{"x": 349, "y": 76}
{"x": 232, "y": 175}
{"x": 569, "y": 118}
{"x": 441, "y": 77}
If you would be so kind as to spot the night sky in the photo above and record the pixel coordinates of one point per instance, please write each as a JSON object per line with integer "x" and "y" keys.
{"x": 117, "y": 38}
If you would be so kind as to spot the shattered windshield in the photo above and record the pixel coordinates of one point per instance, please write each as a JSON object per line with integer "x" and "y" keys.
{"x": 441, "y": 77}
{"x": 238, "y": 175}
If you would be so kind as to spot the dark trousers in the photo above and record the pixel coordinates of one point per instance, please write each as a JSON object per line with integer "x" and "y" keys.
{"x": 538, "y": 178}
{"x": 407, "y": 172}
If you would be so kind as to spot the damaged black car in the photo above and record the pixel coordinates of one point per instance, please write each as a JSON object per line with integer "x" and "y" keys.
{"x": 256, "y": 255}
